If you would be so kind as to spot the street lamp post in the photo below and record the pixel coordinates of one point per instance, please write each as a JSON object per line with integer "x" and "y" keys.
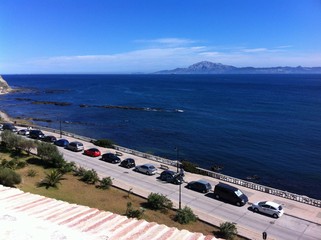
{"x": 179, "y": 184}
{"x": 60, "y": 129}
{"x": 177, "y": 158}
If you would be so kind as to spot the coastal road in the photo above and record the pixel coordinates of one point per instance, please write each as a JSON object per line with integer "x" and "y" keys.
{"x": 286, "y": 227}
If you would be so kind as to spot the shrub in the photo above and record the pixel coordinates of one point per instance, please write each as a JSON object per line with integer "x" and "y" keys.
{"x": 185, "y": 216}
{"x": 80, "y": 171}
{"x": 13, "y": 164}
{"x": 27, "y": 145}
{"x": 159, "y": 202}
{"x": 134, "y": 213}
{"x": 67, "y": 167}
{"x": 104, "y": 143}
{"x": 8, "y": 177}
{"x": 31, "y": 173}
{"x": 9, "y": 139}
{"x": 190, "y": 167}
{"x": 105, "y": 183}
{"x": 52, "y": 179}
{"x": 228, "y": 230}
{"x": 50, "y": 154}
{"x": 90, "y": 176}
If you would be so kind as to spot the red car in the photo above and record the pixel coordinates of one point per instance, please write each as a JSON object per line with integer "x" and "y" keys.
{"x": 92, "y": 152}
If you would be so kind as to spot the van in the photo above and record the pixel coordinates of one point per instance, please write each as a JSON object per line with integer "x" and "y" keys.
{"x": 230, "y": 194}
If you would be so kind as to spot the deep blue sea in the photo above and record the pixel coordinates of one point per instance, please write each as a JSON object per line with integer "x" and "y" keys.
{"x": 267, "y": 125}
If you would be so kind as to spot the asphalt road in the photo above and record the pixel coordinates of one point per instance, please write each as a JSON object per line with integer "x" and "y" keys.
{"x": 286, "y": 228}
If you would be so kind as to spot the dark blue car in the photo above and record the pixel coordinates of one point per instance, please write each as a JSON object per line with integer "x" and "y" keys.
{"x": 61, "y": 142}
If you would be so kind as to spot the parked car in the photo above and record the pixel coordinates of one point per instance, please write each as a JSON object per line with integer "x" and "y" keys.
{"x": 92, "y": 152}
{"x": 148, "y": 169}
{"x": 230, "y": 194}
{"x": 128, "y": 163}
{"x": 24, "y": 132}
{"x": 50, "y": 139}
{"x": 75, "y": 146}
{"x": 267, "y": 207}
{"x": 9, "y": 126}
{"x": 61, "y": 142}
{"x": 171, "y": 177}
{"x": 36, "y": 134}
{"x": 200, "y": 186}
{"x": 110, "y": 157}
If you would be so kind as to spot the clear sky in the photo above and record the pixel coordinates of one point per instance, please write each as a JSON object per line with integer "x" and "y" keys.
{"x": 129, "y": 36}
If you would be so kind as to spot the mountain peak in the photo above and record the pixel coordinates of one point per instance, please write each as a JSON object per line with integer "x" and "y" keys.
{"x": 206, "y": 67}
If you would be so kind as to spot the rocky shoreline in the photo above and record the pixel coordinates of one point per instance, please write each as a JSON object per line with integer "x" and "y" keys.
{"x": 4, "y": 86}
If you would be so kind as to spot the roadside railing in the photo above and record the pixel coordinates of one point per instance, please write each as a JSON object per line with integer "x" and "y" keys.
{"x": 261, "y": 188}
{"x": 147, "y": 156}
{"x": 222, "y": 177}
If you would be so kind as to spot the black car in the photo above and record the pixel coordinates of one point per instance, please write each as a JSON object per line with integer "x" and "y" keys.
{"x": 171, "y": 177}
{"x": 230, "y": 194}
{"x": 50, "y": 139}
{"x": 200, "y": 186}
{"x": 36, "y": 134}
{"x": 128, "y": 163}
{"x": 110, "y": 157}
{"x": 9, "y": 126}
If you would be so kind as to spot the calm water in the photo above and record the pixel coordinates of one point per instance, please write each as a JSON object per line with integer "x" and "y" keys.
{"x": 268, "y": 125}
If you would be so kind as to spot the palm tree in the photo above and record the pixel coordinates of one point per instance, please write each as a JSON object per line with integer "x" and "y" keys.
{"x": 52, "y": 179}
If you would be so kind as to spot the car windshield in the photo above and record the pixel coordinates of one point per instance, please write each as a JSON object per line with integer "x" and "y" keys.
{"x": 238, "y": 193}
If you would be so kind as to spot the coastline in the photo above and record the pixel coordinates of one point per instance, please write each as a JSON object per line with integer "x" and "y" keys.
{"x": 5, "y": 117}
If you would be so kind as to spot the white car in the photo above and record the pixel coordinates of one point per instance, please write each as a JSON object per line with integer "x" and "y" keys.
{"x": 270, "y": 208}
{"x": 23, "y": 132}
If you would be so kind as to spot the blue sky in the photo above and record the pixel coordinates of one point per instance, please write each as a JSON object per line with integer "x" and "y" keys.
{"x": 126, "y": 36}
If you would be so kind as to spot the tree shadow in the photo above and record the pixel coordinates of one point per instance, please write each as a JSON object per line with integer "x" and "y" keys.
{"x": 38, "y": 162}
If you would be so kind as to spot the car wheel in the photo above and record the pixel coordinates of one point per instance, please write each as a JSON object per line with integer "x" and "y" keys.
{"x": 217, "y": 196}
{"x": 275, "y": 215}
{"x": 238, "y": 204}
{"x": 256, "y": 210}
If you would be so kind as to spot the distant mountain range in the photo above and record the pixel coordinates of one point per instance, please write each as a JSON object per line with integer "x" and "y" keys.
{"x": 206, "y": 67}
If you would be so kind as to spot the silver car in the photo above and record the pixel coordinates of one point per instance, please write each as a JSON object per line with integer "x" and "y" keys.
{"x": 270, "y": 208}
{"x": 75, "y": 146}
{"x": 148, "y": 169}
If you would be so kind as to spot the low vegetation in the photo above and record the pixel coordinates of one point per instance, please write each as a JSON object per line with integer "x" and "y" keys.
{"x": 9, "y": 177}
{"x": 52, "y": 179}
{"x": 159, "y": 202}
{"x": 228, "y": 230}
{"x": 107, "y": 143}
{"x": 185, "y": 216}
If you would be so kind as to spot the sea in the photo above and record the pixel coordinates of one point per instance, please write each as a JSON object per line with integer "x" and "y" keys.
{"x": 267, "y": 126}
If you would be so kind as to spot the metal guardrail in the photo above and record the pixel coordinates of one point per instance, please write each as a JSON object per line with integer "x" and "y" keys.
{"x": 262, "y": 188}
{"x": 147, "y": 156}
{"x": 222, "y": 177}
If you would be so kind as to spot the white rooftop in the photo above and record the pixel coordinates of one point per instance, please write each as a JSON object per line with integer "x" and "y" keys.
{"x": 28, "y": 216}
